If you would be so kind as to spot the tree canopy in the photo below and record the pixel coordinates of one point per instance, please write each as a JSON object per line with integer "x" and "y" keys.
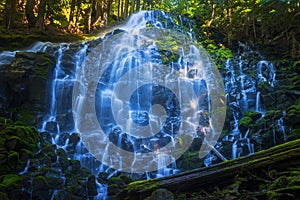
{"x": 275, "y": 23}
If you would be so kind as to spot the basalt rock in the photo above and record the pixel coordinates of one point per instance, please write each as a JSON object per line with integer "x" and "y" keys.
{"x": 23, "y": 85}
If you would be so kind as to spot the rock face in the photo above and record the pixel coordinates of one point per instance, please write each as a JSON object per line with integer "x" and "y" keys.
{"x": 42, "y": 171}
{"x": 23, "y": 85}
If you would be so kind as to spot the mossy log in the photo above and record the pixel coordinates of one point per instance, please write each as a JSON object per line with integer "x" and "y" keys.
{"x": 278, "y": 158}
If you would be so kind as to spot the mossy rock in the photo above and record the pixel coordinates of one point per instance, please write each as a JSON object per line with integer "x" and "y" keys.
{"x": 293, "y": 134}
{"x": 254, "y": 115}
{"x": 113, "y": 189}
{"x": 293, "y": 116}
{"x": 116, "y": 180}
{"x": 18, "y": 144}
{"x": 103, "y": 177}
{"x": 10, "y": 180}
{"x": 189, "y": 160}
{"x": 161, "y": 194}
{"x": 13, "y": 143}
{"x": 296, "y": 67}
{"x": 91, "y": 185}
{"x": 126, "y": 179}
{"x": 245, "y": 123}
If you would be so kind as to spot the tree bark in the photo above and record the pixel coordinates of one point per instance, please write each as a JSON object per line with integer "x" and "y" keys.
{"x": 71, "y": 16}
{"x": 10, "y": 13}
{"x": 132, "y": 7}
{"x": 212, "y": 16}
{"x": 78, "y": 15}
{"x": 40, "y": 23}
{"x": 138, "y": 4}
{"x": 126, "y": 9}
{"x": 88, "y": 20}
{"x": 29, "y": 12}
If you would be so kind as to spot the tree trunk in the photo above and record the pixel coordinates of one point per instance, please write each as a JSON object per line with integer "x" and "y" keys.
{"x": 138, "y": 4}
{"x": 88, "y": 20}
{"x": 40, "y": 23}
{"x": 122, "y": 8}
{"x": 212, "y": 16}
{"x": 29, "y": 12}
{"x": 71, "y": 16}
{"x": 229, "y": 14}
{"x": 78, "y": 15}
{"x": 132, "y": 7}
{"x": 126, "y": 9}
{"x": 119, "y": 7}
{"x": 108, "y": 8}
{"x": 10, "y": 13}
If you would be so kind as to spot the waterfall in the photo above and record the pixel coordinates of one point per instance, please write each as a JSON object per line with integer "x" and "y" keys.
{"x": 258, "y": 103}
{"x": 243, "y": 95}
{"x": 132, "y": 59}
{"x": 266, "y": 72}
{"x": 280, "y": 126}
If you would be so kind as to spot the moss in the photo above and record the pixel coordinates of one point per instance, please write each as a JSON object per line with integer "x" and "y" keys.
{"x": 116, "y": 180}
{"x": 254, "y": 115}
{"x": 294, "y": 134}
{"x": 245, "y": 123}
{"x": 40, "y": 183}
{"x": 113, "y": 189}
{"x": 126, "y": 179}
{"x": 143, "y": 185}
{"x": 10, "y": 180}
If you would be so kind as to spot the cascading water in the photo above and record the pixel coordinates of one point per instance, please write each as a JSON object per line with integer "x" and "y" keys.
{"x": 243, "y": 95}
{"x": 68, "y": 60}
{"x": 138, "y": 52}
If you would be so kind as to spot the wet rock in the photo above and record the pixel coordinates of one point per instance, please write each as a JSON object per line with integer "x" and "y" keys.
{"x": 45, "y": 138}
{"x": 113, "y": 189}
{"x": 62, "y": 139}
{"x": 52, "y": 127}
{"x": 23, "y": 83}
{"x": 103, "y": 177}
{"x": 91, "y": 186}
{"x": 13, "y": 143}
{"x": 40, "y": 188}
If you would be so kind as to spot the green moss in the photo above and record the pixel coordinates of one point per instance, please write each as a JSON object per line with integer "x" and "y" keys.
{"x": 126, "y": 179}
{"x": 143, "y": 185}
{"x": 43, "y": 64}
{"x": 40, "y": 183}
{"x": 116, "y": 180}
{"x": 10, "y": 180}
{"x": 254, "y": 115}
{"x": 245, "y": 123}
{"x": 113, "y": 189}
{"x": 294, "y": 134}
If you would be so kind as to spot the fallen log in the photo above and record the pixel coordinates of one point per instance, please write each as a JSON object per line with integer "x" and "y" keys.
{"x": 276, "y": 158}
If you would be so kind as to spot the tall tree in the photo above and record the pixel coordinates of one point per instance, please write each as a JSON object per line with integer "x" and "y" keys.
{"x": 126, "y": 8}
{"x": 72, "y": 14}
{"x": 30, "y": 4}
{"x": 40, "y": 23}
{"x": 10, "y": 13}
{"x": 78, "y": 15}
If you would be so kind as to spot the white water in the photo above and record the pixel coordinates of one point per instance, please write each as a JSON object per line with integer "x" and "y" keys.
{"x": 242, "y": 96}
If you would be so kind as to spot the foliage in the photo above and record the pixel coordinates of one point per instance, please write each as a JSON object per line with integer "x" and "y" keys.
{"x": 272, "y": 23}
